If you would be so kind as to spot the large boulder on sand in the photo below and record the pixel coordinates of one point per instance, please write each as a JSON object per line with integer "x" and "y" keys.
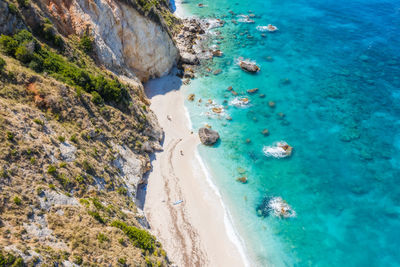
{"x": 207, "y": 136}
{"x": 249, "y": 66}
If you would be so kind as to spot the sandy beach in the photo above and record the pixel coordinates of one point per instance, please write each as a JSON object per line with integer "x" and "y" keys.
{"x": 195, "y": 231}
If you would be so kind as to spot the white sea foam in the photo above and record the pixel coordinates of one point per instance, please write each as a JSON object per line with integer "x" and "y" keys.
{"x": 269, "y": 28}
{"x": 240, "y": 102}
{"x": 281, "y": 208}
{"x": 242, "y": 59}
{"x": 214, "y": 23}
{"x": 276, "y": 150}
{"x": 233, "y": 235}
{"x": 230, "y": 229}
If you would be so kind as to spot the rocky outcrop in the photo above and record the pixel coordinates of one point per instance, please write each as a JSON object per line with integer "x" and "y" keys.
{"x": 208, "y": 137}
{"x": 125, "y": 40}
{"x": 249, "y": 66}
{"x": 9, "y": 21}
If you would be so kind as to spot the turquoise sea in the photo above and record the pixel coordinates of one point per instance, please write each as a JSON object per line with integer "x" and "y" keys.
{"x": 333, "y": 70}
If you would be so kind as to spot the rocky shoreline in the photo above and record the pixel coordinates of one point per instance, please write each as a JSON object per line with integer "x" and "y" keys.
{"x": 192, "y": 45}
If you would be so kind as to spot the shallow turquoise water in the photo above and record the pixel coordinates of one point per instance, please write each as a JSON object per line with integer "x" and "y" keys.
{"x": 342, "y": 116}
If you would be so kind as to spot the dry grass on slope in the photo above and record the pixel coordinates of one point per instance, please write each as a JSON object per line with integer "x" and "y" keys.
{"x": 60, "y": 188}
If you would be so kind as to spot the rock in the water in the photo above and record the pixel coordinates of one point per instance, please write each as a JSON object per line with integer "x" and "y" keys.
{"x": 252, "y": 91}
{"x": 242, "y": 180}
{"x": 188, "y": 58}
{"x": 218, "y": 71}
{"x": 207, "y": 136}
{"x": 249, "y": 66}
{"x": 191, "y": 97}
{"x": 217, "y": 53}
{"x": 265, "y": 132}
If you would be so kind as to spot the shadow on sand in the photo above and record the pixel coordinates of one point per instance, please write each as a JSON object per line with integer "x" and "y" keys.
{"x": 163, "y": 85}
{"x": 152, "y": 88}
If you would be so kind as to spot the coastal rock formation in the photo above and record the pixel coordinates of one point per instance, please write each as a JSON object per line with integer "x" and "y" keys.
{"x": 190, "y": 59}
{"x": 125, "y": 40}
{"x": 207, "y": 136}
{"x": 249, "y": 66}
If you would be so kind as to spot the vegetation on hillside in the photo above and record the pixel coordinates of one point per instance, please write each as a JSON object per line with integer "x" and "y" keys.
{"x": 63, "y": 123}
{"x": 40, "y": 58}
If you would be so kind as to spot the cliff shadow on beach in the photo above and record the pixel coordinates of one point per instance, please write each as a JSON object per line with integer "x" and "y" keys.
{"x": 159, "y": 86}
{"x": 163, "y": 85}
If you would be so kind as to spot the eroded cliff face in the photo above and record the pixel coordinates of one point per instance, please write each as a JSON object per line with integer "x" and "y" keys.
{"x": 125, "y": 40}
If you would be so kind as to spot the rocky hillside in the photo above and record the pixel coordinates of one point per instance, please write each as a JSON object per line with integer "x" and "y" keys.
{"x": 75, "y": 129}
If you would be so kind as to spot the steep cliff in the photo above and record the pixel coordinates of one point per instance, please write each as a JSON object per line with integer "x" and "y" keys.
{"x": 124, "y": 39}
{"x": 76, "y": 138}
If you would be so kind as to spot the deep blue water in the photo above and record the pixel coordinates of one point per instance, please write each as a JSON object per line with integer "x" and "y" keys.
{"x": 334, "y": 71}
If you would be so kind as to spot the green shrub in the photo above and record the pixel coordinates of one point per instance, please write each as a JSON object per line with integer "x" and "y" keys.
{"x": 87, "y": 167}
{"x": 17, "y": 200}
{"x": 80, "y": 179}
{"x": 96, "y": 216}
{"x": 49, "y": 33}
{"x": 97, "y": 204}
{"x": 96, "y": 98}
{"x": 13, "y": 8}
{"x": 33, "y": 160}
{"x": 10, "y": 260}
{"x": 122, "y": 191}
{"x": 23, "y": 3}
{"x": 84, "y": 201}
{"x": 52, "y": 170}
{"x": 61, "y": 139}
{"x": 10, "y": 136}
{"x": 102, "y": 238}
{"x": 2, "y": 64}
{"x": 63, "y": 164}
{"x": 23, "y": 54}
{"x": 122, "y": 261}
{"x": 73, "y": 138}
{"x": 86, "y": 43}
{"x": 23, "y": 36}
{"x": 52, "y": 186}
{"x": 8, "y": 44}
{"x": 38, "y": 121}
{"x": 139, "y": 237}
{"x": 78, "y": 260}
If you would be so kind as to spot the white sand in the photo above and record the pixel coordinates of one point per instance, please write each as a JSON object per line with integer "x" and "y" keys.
{"x": 194, "y": 232}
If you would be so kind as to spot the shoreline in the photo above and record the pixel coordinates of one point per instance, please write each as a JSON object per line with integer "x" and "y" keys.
{"x": 188, "y": 234}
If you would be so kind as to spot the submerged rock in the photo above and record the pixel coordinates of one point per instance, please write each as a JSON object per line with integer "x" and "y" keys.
{"x": 242, "y": 180}
{"x": 278, "y": 150}
{"x": 217, "y": 53}
{"x": 275, "y": 206}
{"x": 191, "y": 97}
{"x": 252, "y": 91}
{"x": 207, "y": 136}
{"x": 249, "y": 66}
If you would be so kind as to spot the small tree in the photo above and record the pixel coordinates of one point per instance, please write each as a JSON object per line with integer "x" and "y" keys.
{"x": 2, "y": 64}
{"x": 86, "y": 43}
{"x": 96, "y": 98}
